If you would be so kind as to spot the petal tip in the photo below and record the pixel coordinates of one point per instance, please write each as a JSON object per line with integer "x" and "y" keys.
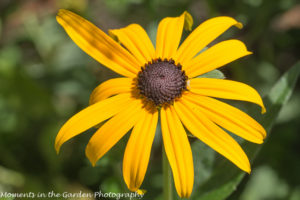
{"x": 58, "y": 19}
{"x": 263, "y": 109}
{"x": 188, "y": 21}
{"x": 57, "y": 149}
{"x": 141, "y": 191}
{"x": 61, "y": 11}
{"x": 249, "y": 53}
{"x": 184, "y": 195}
{"x": 249, "y": 171}
{"x": 263, "y": 133}
{"x": 57, "y": 145}
{"x": 91, "y": 157}
{"x": 239, "y": 25}
{"x": 92, "y": 160}
{"x": 260, "y": 140}
{"x": 60, "y": 16}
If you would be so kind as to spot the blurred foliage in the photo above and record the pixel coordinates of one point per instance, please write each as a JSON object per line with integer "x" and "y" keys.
{"x": 45, "y": 78}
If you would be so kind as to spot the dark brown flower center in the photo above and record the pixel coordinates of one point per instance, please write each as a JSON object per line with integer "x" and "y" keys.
{"x": 161, "y": 81}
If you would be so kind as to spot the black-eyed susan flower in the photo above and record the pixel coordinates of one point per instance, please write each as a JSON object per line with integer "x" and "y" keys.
{"x": 162, "y": 81}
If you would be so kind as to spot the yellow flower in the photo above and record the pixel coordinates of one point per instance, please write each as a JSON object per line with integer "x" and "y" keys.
{"x": 162, "y": 81}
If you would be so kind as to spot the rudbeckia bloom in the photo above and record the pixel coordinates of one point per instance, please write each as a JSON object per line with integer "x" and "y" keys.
{"x": 162, "y": 81}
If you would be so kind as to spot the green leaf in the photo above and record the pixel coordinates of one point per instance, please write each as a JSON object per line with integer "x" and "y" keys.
{"x": 213, "y": 74}
{"x": 225, "y": 177}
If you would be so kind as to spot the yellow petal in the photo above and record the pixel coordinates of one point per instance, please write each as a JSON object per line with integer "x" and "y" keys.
{"x": 97, "y": 44}
{"x": 169, "y": 34}
{"x": 113, "y": 130}
{"x": 90, "y": 117}
{"x": 215, "y": 57}
{"x": 211, "y": 134}
{"x": 111, "y": 87}
{"x": 178, "y": 151}
{"x": 141, "y": 191}
{"x": 226, "y": 89}
{"x": 228, "y": 117}
{"x": 137, "y": 152}
{"x": 136, "y": 40}
{"x": 204, "y": 34}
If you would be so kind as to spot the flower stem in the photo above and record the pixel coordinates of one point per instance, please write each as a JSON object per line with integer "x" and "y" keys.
{"x": 167, "y": 176}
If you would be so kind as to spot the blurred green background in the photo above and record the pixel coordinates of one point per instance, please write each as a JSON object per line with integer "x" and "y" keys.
{"x": 45, "y": 79}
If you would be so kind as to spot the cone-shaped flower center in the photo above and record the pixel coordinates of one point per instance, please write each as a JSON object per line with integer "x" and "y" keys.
{"x": 161, "y": 81}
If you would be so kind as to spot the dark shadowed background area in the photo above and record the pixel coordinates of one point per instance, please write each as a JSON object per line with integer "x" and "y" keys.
{"x": 45, "y": 79}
